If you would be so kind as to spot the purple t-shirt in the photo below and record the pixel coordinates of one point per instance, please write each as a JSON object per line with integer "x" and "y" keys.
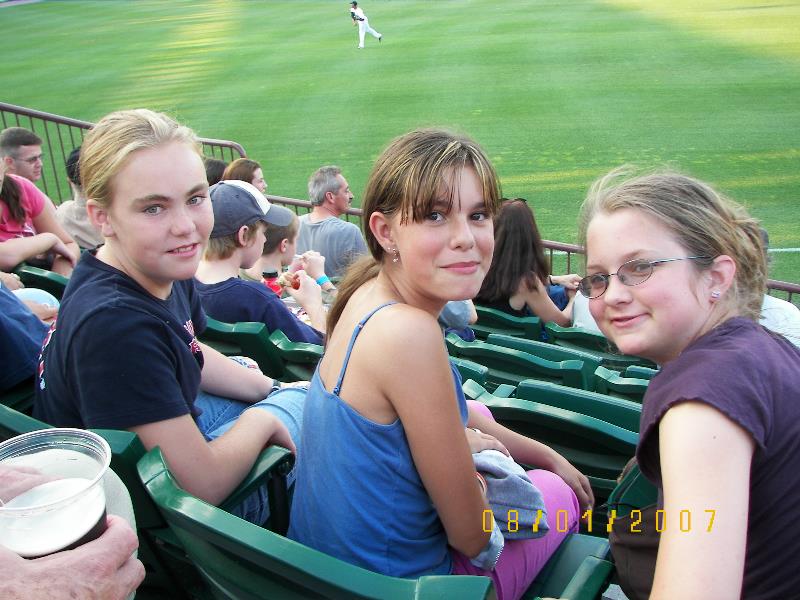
{"x": 753, "y": 377}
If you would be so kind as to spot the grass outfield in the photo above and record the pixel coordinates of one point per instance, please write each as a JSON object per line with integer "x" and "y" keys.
{"x": 557, "y": 92}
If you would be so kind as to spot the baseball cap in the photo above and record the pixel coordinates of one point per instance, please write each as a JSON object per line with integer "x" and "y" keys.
{"x": 238, "y": 203}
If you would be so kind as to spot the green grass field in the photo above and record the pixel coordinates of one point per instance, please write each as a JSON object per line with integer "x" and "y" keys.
{"x": 557, "y": 92}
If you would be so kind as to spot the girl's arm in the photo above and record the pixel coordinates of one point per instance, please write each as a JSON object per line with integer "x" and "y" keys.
{"x": 705, "y": 468}
{"x": 46, "y": 221}
{"x": 542, "y": 306}
{"x": 212, "y": 470}
{"x": 227, "y": 378}
{"x": 409, "y": 365}
{"x": 530, "y": 452}
{"x": 17, "y": 250}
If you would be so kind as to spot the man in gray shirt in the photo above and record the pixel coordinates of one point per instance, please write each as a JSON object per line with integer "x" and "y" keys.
{"x": 322, "y": 230}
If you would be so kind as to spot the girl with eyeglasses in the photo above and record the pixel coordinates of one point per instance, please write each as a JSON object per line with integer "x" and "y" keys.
{"x": 29, "y": 230}
{"x": 676, "y": 273}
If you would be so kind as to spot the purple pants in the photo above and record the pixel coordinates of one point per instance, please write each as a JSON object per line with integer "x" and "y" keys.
{"x": 521, "y": 560}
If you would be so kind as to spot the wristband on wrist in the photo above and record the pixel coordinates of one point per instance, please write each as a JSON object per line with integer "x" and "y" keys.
{"x": 322, "y": 280}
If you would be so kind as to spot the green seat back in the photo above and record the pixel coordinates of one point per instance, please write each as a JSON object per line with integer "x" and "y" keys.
{"x": 491, "y": 320}
{"x": 594, "y": 342}
{"x": 470, "y": 370}
{"x": 612, "y": 383}
{"x": 510, "y": 366}
{"x": 300, "y": 358}
{"x": 598, "y": 449}
{"x": 34, "y": 277}
{"x": 245, "y": 339}
{"x": 617, "y": 411}
{"x": 239, "y": 560}
{"x": 551, "y": 352}
{"x": 639, "y": 372}
{"x": 20, "y": 397}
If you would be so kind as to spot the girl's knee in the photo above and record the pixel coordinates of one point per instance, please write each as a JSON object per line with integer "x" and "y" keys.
{"x": 480, "y": 408}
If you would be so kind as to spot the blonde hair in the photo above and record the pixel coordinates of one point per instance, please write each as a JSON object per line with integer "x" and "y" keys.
{"x": 703, "y": 221}
{"x": 118, "y": 135}
{"x": 407, "y": 180}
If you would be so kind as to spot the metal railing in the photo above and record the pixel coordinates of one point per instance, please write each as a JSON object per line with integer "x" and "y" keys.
{"x": 60, "y": 135}
{"x": 63, "y": 134}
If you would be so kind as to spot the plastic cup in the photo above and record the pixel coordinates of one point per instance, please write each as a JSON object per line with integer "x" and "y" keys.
{"x": 67, "y": 506}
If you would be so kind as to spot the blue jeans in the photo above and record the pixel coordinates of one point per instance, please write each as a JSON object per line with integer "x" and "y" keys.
{"x": 219, "y": 415}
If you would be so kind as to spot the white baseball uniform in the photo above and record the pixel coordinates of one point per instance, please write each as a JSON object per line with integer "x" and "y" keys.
{"x": 363, "y": 25}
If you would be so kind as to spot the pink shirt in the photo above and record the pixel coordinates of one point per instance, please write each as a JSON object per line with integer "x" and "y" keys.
{"x": 32, "y": 201}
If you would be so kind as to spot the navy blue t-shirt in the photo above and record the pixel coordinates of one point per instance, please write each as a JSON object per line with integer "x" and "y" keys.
{"x": 236, "y": 300}
{"x": 119, "y": 357}
{"x": 21, "y": 337}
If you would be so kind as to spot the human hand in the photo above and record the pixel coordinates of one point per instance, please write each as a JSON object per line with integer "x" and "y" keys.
{"x": 570, "y": 282}
{"x": 11, "y": 281}
{"x": 61, "y": 249}
{"x": 479, "y": 441}
{"x": 313, "y": 263}
{"x": 103, "y": 569}
{"x": 308, "y": 294}
{"x": 575, "y": 480}
{"x": 45, "y": 312}
{"x": 17, "y": 480}
{"x": 280, "y": 435}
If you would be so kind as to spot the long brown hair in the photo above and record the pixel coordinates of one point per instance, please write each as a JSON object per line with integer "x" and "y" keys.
{"x": 10, "y": 194}
{"x": 518, "y": 253}
{"x": 407, "y": 179}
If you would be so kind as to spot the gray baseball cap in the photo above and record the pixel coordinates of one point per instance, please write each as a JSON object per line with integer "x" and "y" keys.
{"x": 237, "y": 203}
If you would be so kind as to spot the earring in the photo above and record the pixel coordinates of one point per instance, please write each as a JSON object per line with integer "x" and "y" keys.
{"x": 715, "y": 295}
{"x": 396, "y": 257}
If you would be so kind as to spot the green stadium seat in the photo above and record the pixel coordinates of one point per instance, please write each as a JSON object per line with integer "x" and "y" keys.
{"x": 34, "y": 277}
{"x": 596, "y": 343}
{"x": 245, "y": 339}
{"x": 612, "y": 383}
{"x": 20, "y": 397}
{"x": 470, "y": 370}
{"x": 300, "y": 358}
{"x": 598, "y": 449}
{"x": 509, "y": 366}
{"x": 638, "y": 372}
{"x": 491, "y": 320}
{"x": 617, "y": 411}
{"x": 551, "y": 352}
{"x": 241, "y": 561}
{"x": 169, "y": 573}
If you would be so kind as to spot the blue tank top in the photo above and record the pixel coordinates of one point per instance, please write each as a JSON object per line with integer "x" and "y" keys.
{"x": 358, "y": 496}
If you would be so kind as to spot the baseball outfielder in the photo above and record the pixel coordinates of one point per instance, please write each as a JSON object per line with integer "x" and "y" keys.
{"x": 360, "y": 19}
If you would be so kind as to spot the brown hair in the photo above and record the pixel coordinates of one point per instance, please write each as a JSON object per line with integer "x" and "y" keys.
{"x": 242, "y": 169}
{"x": 276, "y": 234}
{"x": 518, "y": 253}
{"x": 703, "y": 221}
{"x": 220, "y": 248}
{"x": 407, "y": 180}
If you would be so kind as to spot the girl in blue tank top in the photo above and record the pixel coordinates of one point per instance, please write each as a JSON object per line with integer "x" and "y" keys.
{"x": 386, "y": 478}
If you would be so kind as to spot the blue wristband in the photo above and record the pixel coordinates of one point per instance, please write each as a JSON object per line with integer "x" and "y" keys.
{"x": 322, "y": 280}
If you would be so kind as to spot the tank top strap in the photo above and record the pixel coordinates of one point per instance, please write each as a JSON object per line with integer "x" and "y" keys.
{"x": 356, "y": 331}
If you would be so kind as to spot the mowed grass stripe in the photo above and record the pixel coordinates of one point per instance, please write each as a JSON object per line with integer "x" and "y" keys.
{"x": 558, "y": 93}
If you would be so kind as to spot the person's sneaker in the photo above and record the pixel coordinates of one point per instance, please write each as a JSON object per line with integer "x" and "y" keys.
{"x": 380, "y": 39}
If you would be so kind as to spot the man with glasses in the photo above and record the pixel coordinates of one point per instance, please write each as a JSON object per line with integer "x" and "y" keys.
{"x": 21, "y": 150}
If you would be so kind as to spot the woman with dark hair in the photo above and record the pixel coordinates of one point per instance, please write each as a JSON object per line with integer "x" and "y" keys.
{"x": 518, "y": 278}
{"x": 29, "y": 229}
{"x": 247, "y": 170}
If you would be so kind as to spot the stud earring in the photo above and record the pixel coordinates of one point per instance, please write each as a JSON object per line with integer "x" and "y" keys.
{"x": 715, "y": 295}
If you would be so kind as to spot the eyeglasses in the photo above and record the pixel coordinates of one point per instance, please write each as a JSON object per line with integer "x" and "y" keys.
{"x": 633, "y": 272}
{"x": 32, "y": 160}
